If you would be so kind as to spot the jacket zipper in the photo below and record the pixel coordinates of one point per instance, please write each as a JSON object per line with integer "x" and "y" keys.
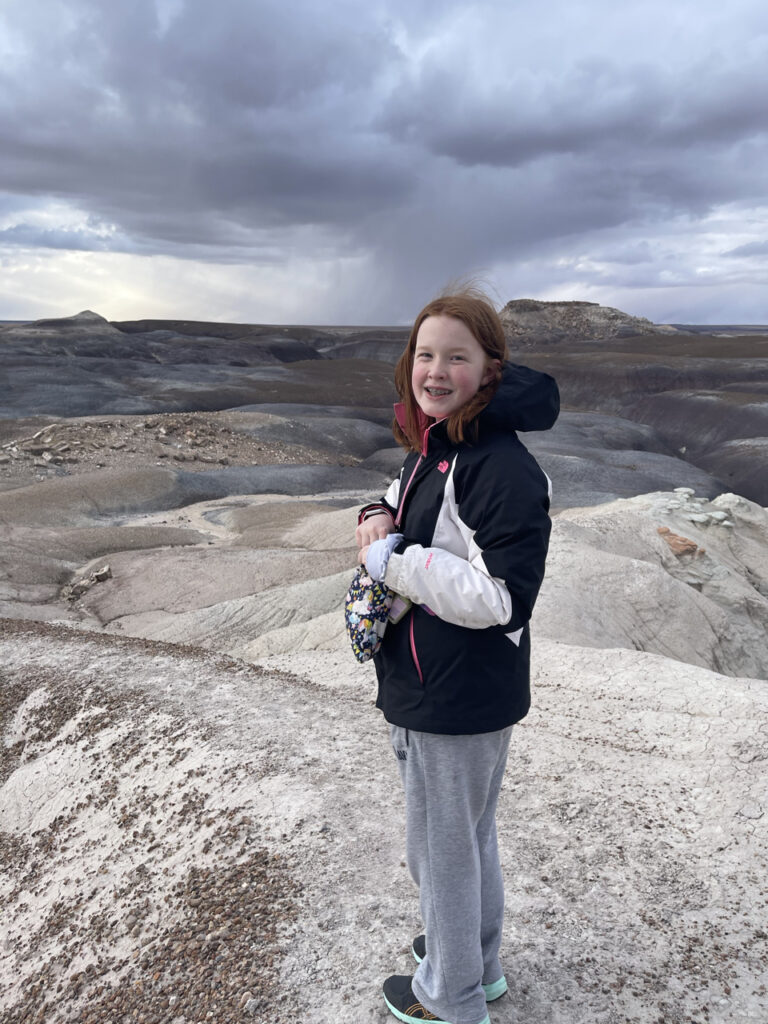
{"x": 424, "y": 445}
{"x": 414, "y": 655}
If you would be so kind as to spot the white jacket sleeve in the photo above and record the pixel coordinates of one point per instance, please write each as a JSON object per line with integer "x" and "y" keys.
{"x": 456, "y": 589}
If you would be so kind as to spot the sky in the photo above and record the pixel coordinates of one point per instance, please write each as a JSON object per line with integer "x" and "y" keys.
{"x": 342, "y": 162}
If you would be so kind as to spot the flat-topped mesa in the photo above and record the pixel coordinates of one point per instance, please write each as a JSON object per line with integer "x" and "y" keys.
{"x": 529, "y": 321}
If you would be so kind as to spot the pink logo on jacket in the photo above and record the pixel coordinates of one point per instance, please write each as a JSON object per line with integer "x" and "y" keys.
{"x": 443, "y": 466}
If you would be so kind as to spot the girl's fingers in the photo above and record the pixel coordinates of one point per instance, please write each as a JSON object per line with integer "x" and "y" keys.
{"x": 373, "y": 529}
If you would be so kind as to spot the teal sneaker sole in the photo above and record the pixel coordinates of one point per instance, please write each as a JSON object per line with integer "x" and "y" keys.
{"x": 493, "y": 991}
{"x": 496, "y": 990}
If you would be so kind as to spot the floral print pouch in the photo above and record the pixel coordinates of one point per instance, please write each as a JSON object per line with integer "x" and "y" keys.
{"x": 366, "y": 610}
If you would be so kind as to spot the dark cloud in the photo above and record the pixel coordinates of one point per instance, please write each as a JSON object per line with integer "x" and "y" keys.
{"x": 251, "y": 115}
{"x": 592, "y": 109}
{"x": 414, "y": 141}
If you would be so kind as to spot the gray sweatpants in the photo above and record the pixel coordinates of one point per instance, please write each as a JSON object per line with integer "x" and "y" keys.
{"x": 452, "y": 786}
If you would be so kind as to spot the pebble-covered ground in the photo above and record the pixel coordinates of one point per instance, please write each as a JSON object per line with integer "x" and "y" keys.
{"x": 33, "y": 450}
{"x": 151, "y": 895}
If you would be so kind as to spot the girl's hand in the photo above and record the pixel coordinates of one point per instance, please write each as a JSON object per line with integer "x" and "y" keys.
{"x": 373, "y": 528}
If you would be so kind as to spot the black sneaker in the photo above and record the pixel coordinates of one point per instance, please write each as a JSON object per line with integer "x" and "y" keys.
{"x": 419, "y": 948}
{"x": 399, "y": 997}
{"x": 401, "y": 1001}
{"x": 493, "y": 991}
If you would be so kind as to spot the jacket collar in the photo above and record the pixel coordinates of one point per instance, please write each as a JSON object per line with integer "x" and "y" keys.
{"x": 425, "y": 424}
{"x": 423, "y": 420}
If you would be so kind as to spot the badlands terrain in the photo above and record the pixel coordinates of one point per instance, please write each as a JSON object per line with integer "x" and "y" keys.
{"x": 200, "y": 819}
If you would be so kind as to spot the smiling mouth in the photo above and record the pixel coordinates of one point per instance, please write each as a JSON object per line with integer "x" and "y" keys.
{"x": 437, "y": 392}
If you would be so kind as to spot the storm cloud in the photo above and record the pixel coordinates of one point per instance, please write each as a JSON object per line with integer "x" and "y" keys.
{"x": 341, "y": 162}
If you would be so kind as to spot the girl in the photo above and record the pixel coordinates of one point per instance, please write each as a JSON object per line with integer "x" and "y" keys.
{"x": 463, "y": 534}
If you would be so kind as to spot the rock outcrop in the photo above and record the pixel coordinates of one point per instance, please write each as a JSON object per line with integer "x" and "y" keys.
{"x": 669, "y": 573}
{"x": 531, "y": 322}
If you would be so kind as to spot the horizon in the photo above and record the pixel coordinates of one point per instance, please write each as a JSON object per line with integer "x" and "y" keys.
{"x": 381, "y": 325}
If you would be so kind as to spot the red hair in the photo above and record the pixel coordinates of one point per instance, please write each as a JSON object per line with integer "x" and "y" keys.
{"x": 475, "y": 312}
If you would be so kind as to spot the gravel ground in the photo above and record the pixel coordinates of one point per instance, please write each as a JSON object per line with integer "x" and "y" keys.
{"x": 151, "y": 894}
{"x": 35, "y": 449}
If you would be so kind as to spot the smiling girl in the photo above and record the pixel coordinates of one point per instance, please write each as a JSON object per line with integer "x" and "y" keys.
{"x": 471, "y": 507}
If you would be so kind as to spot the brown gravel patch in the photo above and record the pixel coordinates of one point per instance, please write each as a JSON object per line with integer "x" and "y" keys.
{"x": 32, "y": 450}
{"x": 177, "y": 911}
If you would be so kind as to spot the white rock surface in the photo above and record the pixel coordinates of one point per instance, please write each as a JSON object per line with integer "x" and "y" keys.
{"x": 631, "y": 824}
{"x": 614, "y": 581}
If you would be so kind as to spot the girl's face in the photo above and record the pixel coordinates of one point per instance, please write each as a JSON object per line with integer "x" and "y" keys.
{"x": 449, "y": 366}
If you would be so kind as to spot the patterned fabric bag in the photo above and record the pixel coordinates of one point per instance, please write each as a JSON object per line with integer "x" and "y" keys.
{"x": 366, "y": 610}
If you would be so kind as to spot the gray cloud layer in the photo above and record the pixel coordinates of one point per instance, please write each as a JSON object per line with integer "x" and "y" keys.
{"x": 426, "y": 139}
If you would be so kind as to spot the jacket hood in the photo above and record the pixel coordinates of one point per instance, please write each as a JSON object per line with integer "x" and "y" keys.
{"x": 525, "y": 399}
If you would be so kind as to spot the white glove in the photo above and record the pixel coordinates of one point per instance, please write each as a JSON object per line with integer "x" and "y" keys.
{"x": 378, "y": 555}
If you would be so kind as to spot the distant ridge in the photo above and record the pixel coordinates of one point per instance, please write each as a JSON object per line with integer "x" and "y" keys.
{"x": 520, "y": 316}
{"x": 725, "y": 330}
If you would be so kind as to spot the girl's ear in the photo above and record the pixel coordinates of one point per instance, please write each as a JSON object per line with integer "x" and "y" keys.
{"x": 492, "y": 372}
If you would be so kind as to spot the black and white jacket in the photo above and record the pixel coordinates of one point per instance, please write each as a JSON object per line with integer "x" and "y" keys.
{"x": 475, "y": 524}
